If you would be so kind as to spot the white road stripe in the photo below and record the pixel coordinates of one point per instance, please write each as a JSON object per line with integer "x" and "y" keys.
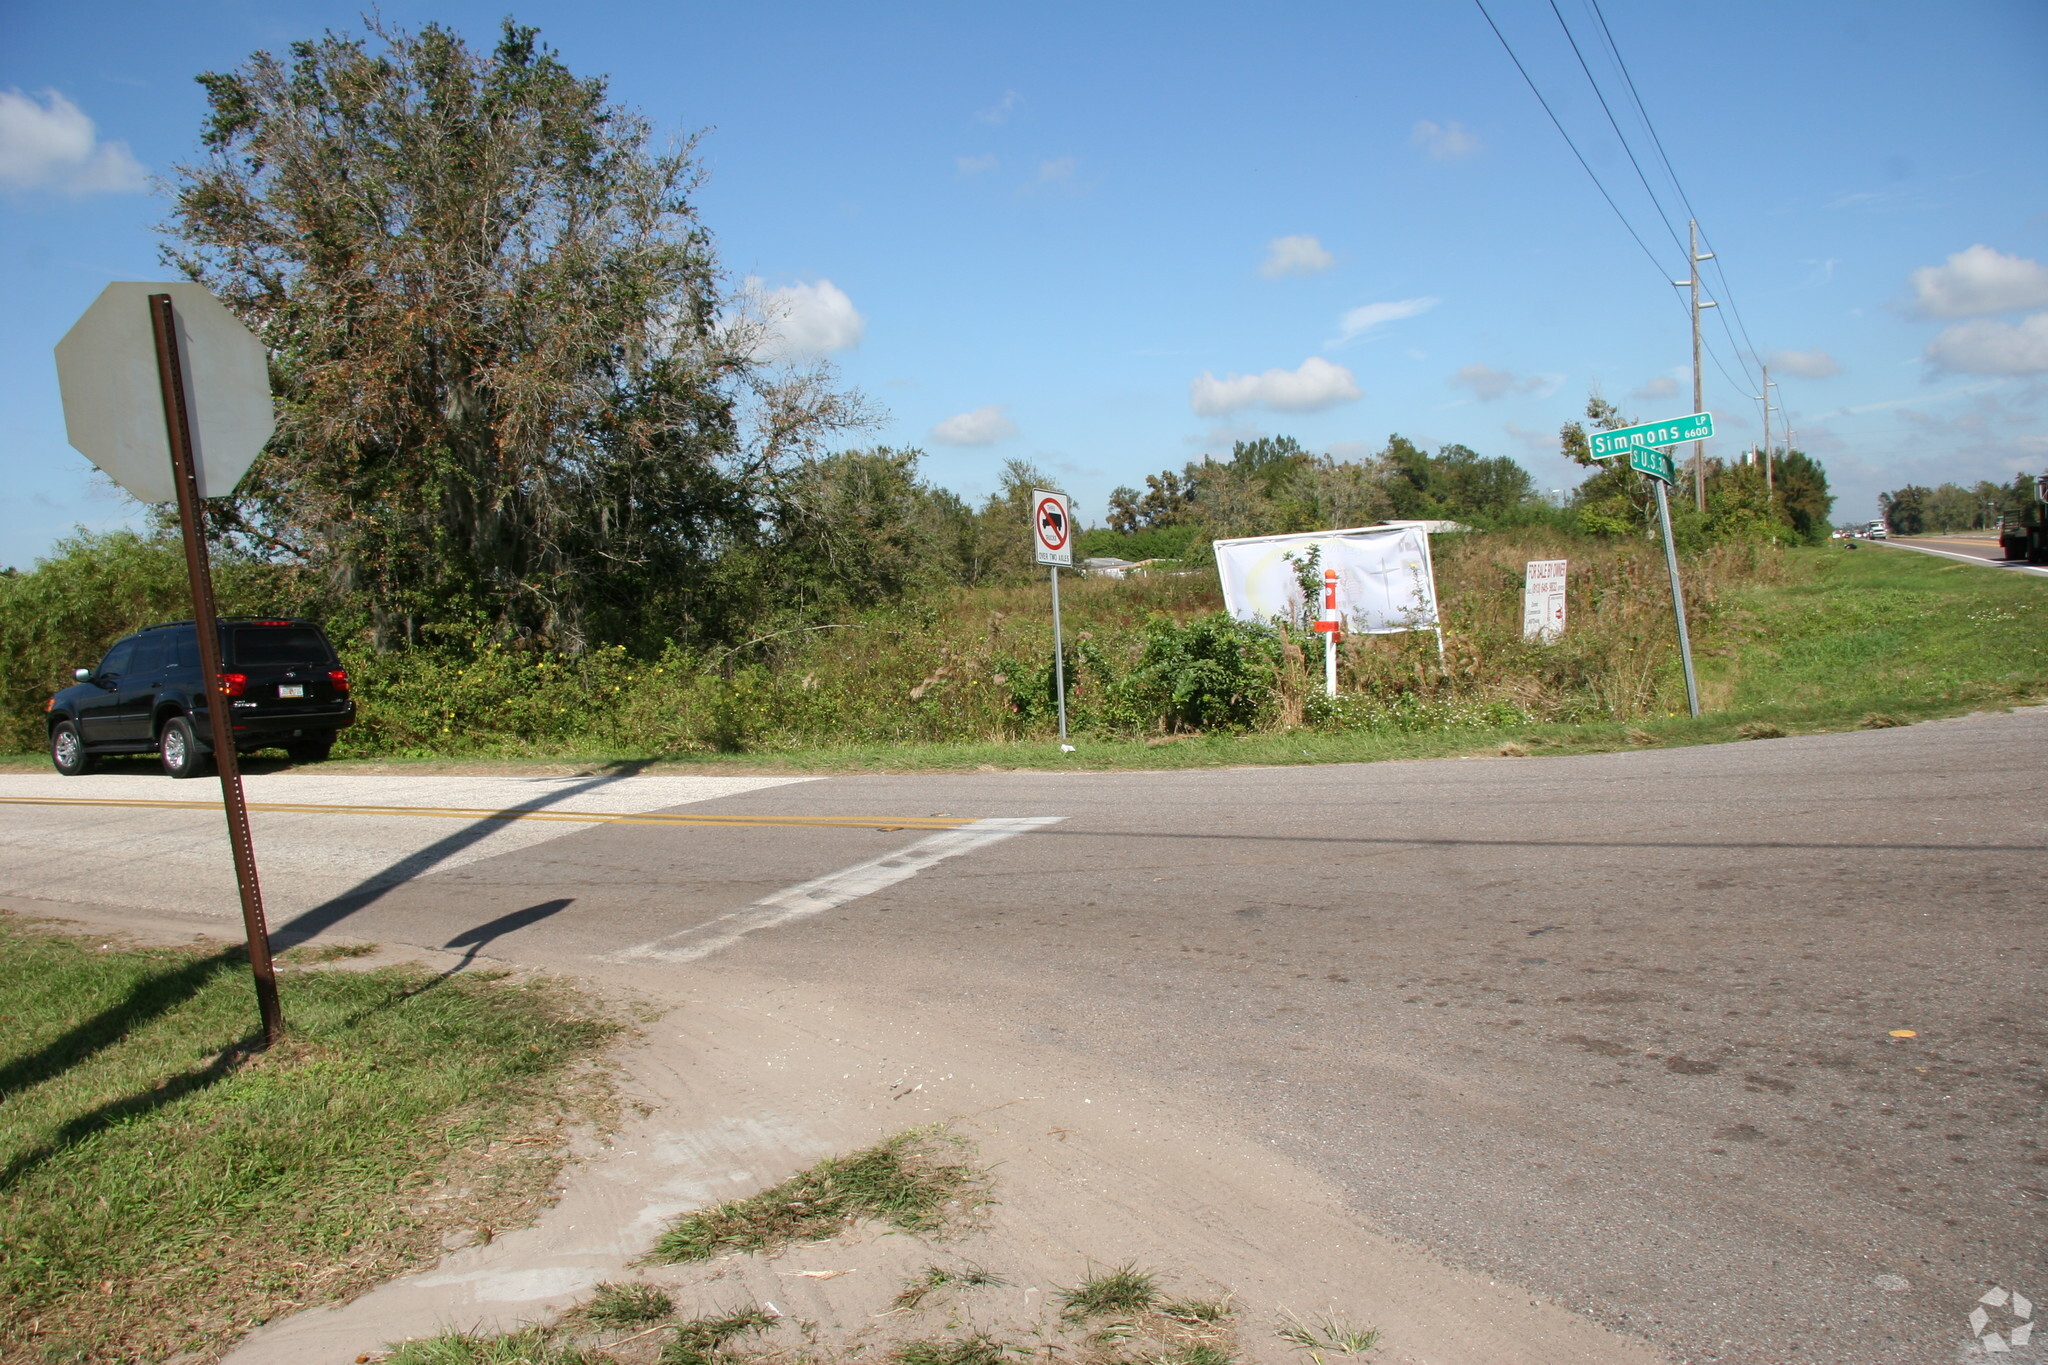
{"x": 2009, "y": 565}
{"x": 831, "y": 890}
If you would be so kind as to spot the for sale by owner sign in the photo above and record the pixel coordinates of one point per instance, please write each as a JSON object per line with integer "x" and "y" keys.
{"x": 1543, "y": 600}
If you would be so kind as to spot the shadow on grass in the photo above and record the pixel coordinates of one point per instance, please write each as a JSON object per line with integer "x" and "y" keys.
{"x": 147, "y": 1000}
{"x": 77, "y": 1130}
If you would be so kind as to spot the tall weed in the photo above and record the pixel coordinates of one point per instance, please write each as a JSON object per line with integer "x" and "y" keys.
{"x": 1145, "y": 655}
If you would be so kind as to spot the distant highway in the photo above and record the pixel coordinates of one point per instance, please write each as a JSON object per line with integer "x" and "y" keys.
{"x": 1971, "y": 548}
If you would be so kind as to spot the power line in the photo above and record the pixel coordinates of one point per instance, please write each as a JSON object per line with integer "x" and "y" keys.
{"x": 1556, "y": 123}
{"x": 1615, "y": 124}
{"x": 1727, "y": 291}
{"x": 1740, "y": 385}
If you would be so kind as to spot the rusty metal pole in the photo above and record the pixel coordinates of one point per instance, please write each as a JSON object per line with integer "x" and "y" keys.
{"x": 170, "y": 370}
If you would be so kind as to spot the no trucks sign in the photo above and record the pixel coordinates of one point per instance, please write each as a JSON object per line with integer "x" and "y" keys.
{"x": 1052, "y": 528}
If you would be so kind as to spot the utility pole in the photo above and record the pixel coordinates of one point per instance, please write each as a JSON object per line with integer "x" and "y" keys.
{"x": 1770, "y": 481}
{"x": 1699, "y": 448}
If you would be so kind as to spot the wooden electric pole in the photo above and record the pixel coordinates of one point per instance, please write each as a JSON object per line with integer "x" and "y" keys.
{"x": 1699, "y": 448}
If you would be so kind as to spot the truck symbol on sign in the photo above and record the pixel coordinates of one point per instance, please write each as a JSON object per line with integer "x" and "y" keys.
{"x": 1052, "y": 524}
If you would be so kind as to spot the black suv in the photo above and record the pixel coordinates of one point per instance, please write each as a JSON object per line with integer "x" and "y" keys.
{"x": 280, "y": 680}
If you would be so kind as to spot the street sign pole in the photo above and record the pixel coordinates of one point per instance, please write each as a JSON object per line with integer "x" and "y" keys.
{"x": 178, "y": 428}
{"x": 1692, "y": 691}
{"x": 1059, "y": 653}
{"x": 1648, "y": 446}
{"x": 1052, "y": 543}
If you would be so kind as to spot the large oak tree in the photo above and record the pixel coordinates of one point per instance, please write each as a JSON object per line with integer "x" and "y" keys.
{"x": 512, "y": 394}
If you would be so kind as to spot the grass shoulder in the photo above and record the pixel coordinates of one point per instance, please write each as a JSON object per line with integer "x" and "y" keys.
{"x": 165, "y": 1186}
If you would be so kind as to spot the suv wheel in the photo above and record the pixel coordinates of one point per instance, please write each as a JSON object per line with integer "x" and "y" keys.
{"x": 67, "y": 749}
{"x": 178, "y": 747}
{"x": 311, "y": 749}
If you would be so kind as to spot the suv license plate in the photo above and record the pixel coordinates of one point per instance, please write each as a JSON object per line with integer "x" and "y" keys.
{"x": 287, "y": 691}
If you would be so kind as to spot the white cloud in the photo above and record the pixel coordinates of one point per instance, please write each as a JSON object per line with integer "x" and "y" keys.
{"x": 1058, "y": 171}
{"x": 1300, "y": 254}
{"x": 803, "y": 319}
{"x": 1488, "y": 384}
{"x": 975, "y": 165}
{"x": 1315, "y": 385}
{"x": 1361, "y": 320}
{"x": 1443, "y": 141}
{"x": 1979, "y": 280}
{"x": 51, "y": 145}
{"x": 1663, "y": 386}
{"x": 1001, "y": 110}
{"x": 981, "y": 427}
{"x": 1804, "y": 364}
{"x": 1988, "y": 346}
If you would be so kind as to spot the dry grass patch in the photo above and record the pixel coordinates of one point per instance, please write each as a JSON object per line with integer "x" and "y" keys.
{"x": 919, "y": 1182}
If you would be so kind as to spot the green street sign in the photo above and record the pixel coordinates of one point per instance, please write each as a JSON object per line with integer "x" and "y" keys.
{"x": 1648, "y": 436}
{"x": 1653, "y": 462}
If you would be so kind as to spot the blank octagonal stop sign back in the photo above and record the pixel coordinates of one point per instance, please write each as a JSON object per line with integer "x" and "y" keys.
{"x": 113, "y": 402}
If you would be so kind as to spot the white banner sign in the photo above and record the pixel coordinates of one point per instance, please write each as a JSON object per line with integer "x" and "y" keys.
{"x": 1385, "y": 582}
{"x": 1543, "y": 600}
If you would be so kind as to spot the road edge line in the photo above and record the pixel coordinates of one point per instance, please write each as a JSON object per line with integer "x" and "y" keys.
{"x": 832, "y": 890}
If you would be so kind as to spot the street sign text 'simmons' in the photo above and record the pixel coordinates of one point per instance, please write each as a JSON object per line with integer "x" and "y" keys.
{"x": 1697, "y": 426}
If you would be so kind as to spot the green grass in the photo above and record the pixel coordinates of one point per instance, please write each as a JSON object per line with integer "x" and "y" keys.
{"x": 934, "y": 1279}
{"x": 529, "y": 1346}
{"x": 919, "y": 1181}
{"x": 1325, "y": 1335}
{"x": 164, "y": 1186}
{"x": 702, "y": 1341}
{"x": 975, "y": 1349}
{"x": 1121, "y": 1292}
{"x": 627, "y": 1305}
{"x": 1815, "y": 640}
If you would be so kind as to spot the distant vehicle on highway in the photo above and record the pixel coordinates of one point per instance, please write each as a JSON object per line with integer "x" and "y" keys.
{"x": 2023, "y": 534}
{"x": 280, "y": 680}
{"x": 1875, "y": 531}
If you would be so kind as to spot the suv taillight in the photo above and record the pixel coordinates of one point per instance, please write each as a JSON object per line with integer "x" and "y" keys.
{"x": 339, "y": 677}
{"x": 233, "y": 684}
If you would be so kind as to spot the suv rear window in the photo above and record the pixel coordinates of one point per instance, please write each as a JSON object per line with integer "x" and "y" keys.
{"x": 280, "y": 645}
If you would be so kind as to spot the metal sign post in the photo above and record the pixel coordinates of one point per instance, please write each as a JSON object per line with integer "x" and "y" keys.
{"x": 178, "y": 427}
{"x": 1052, "y": 538}
{"x": 1643, "y": 444}
{"x": 176, "y": 411}
{"x": 1692, "y": 691}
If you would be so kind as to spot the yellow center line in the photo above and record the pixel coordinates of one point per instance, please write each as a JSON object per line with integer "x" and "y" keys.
{"x": 887, "y": 822}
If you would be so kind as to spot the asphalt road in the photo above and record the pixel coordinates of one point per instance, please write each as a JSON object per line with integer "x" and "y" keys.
{"x": 1618, "y": 1028}
{"x": 1963, "y": 547}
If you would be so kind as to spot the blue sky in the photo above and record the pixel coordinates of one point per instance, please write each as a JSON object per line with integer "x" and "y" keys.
{"x": 1110, "y": 238}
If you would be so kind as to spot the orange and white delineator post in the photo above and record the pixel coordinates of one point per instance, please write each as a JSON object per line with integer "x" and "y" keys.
{"x": 1331, "y": 626}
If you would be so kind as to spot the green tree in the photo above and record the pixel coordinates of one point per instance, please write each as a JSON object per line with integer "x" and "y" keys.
{"x": 1905, "y": 509}
{"x": 91, "y": 590}
{"x": 859, "y": 528}
{"x": 510, "y": 390}
{"x": 1803, "y": 494}
{"x": 1000, "y": 540}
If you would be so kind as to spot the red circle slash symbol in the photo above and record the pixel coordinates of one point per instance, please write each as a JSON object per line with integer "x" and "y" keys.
{"x": 1052, "y": 524}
